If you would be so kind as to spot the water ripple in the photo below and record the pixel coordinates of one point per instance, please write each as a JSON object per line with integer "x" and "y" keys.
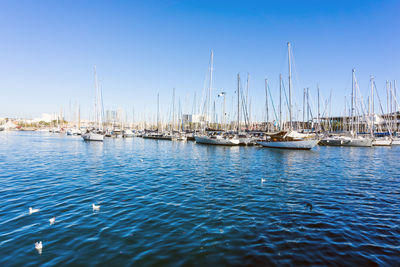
{"x": 167, "y": 203}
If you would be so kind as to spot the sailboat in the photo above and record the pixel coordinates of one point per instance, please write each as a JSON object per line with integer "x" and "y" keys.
{"x": 290, "y": 139}
{"x": 97, "y": 133}
{"x": 216, "y": 139}
{"x": 351, "y": 139}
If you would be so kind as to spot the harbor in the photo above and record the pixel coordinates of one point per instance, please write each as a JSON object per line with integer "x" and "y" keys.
{"x": 199, "y": 133}
{"x": 359, "y": 126}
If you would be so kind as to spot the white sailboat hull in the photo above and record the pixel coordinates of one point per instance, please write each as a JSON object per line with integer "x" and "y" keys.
{"x": 302, "y": 145}
{"x": 216, "y": 141}
{"x": 382, "y": 142}
{"x": 396, "y": 141}
{"x": 365, "y": 142}
{"x": 93, "y": 137}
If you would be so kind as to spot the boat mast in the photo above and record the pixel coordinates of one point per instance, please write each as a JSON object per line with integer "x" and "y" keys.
{"x": 352, "y": 101}
{"x": 266, "y": 103}
{"x": 210, "y": 87}
{"x": 95, "y": 97}
{"x": 173, "y": 109}
{"x": 395, "y": 105}
{"x": 387, "y": 103}
{"x": 280, "y": 101}
{"x": 101, "y": 114}
{"x": 79, "y": 116}
{"x": 308, "y": 108}
{"x": 319, "y": 115}
{"x": 158, "y": 112}
{"x": 238, "y": 103}
{"x": 345, "y": 125}
{"x": 372, "y": 106}
{"x": 248, "y": 106}
{"x": 290, "y": 89}
{"x": 304, "y": 106}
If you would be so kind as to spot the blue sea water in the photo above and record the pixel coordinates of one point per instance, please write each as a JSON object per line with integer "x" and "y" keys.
{"x": 167, "y": 203}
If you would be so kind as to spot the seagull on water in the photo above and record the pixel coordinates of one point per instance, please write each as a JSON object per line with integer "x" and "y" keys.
{"x": 308, "y": 205}
{"x": 263, "y": 180}
{"x": 95, "y": 207}
{"x": 52, "y": 220}
{"x": 39, "y": 246}
{"x": 32, "y": 210}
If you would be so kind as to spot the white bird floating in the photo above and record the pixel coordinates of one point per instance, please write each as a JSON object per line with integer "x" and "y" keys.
{"x": 32, "y": 210}
{"x": 95, "y": 207}
{"x": 52, "y": 220}
{"x": 263, "y": 180}
{"x": 39, "y": 246}
{"x": 141, "y": 160}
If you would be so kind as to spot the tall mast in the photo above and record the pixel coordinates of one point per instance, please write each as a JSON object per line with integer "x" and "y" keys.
{"x": 304, "y": 106}
{"x": 290, "y": 89}
{"x": 101, "y": 113}
{"x": 95, "y": 96}
{"x": 391, "y": 99}
{"x": 173, "y": 109}
{"x": 319, "y": 115}
{"x": 158, "y": 112}
{"x": 238, "y": 103}
{"x": 345, "y": 115}
{"x": 396, "y": 105}
{"x": 224, "y": 122}
{"x": 352, "y": 100}
{"x": 280, "y": 101}
{"x": 180, "y": 126}
{"x": 266, "y": 103}
{"x": 79, "y": 116}
{"x": 210, "y": 87}
{"x": 372, "y": 106}
{"x": 308, "y": 108}
{"x": 387, "y": 102}
{"x": 247, "y": 99}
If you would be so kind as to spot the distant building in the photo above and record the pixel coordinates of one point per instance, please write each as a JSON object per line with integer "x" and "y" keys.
{"x": 111, "y": 116}
{"x": 193, "y": 118}
{"x": 115, "y": 116}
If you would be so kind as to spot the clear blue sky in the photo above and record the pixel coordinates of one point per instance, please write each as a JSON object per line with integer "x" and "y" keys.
{"x": 48, "y": 50}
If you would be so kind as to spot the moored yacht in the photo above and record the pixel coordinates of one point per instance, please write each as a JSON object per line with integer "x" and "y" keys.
{"x": 290, "y": 140}
{"x": 382, "y": 141}
{"x": 217, "y": 140}
{"x": 92, "y": 136}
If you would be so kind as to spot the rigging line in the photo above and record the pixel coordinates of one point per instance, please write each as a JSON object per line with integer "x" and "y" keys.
{"x": 325, "y": 109}
{"x": 203, "y": 99}
{"x": 380, "y": 104}
{"x": 286, "y": 98}
{"x": 273, "y": 106}
{"x": 363, "y": 106}
{"x": 244, "y": 105}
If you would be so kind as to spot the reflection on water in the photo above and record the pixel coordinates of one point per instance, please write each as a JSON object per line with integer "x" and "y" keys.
{"x": 173, "y": 203}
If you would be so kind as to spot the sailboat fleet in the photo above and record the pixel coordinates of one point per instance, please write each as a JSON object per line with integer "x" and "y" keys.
{"x": 358, "y": 127}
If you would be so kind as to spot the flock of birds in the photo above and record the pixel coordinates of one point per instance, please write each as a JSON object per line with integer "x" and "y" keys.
{"x": 39, "y": 245}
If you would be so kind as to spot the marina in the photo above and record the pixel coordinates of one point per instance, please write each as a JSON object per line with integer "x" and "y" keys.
{"x": 199, "y": 133}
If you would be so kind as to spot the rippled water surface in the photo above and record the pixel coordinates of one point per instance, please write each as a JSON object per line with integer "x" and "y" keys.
{"x": 170, "y": 203}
